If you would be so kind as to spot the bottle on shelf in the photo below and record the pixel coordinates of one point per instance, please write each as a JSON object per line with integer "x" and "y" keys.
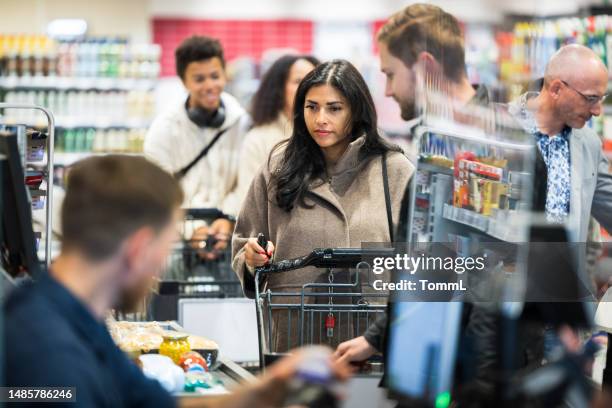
{"x": 97, "y": 57}
{"x": 92, "y": 140}
{"x": 84, "y": 108}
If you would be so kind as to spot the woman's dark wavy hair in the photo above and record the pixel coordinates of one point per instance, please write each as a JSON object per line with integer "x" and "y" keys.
{"x": 303, "y": 160}
{"x": 269, "y": 100}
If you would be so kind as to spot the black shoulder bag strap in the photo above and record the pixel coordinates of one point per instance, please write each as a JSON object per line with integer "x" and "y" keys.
{"x": 182, "y": 172}
{"x": 387, "y": 195}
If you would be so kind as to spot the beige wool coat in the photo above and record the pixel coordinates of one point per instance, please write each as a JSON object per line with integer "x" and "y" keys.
{"x": 344, "y": 211}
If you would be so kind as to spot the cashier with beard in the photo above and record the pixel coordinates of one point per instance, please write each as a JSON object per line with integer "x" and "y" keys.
{"x": 113, "y": 248}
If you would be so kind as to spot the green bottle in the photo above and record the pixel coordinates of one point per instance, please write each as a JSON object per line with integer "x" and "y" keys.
{"x": 69, "y": 141}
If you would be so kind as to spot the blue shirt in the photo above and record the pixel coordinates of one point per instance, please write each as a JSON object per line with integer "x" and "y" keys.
{"x": 556, "y": 155}
{"x": 52, "y": 339}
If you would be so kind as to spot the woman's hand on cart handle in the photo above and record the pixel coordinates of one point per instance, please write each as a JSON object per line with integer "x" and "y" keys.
{"x": 256, "y": 256}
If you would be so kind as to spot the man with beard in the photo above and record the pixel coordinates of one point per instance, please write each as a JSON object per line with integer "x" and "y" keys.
{"x": 419, "y": 37}
{"x": 424, "y": 37}
{"x": 119, "y": 221}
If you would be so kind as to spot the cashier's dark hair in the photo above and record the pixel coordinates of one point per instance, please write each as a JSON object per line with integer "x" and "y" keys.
{"x": 195, "y": 49}
{"x": 303, "y": 161}
{"x": 109, "y": 198}
{"x": 269, "y": 100}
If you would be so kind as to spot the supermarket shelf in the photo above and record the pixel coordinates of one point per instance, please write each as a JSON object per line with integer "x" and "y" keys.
{"x": 466, "y": 217}
{"x": 82, "y": 84}
{"x": 495, "y": 228}
{"x": 434, "y": 169}
{"x": 66, "y": 159}
{"x": 72, "y": 123}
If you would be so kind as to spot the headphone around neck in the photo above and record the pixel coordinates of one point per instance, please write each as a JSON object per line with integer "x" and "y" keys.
{"x": 204, "y": 118}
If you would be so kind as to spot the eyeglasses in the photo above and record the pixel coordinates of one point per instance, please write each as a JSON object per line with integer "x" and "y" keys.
{"x": 590, "y": 99}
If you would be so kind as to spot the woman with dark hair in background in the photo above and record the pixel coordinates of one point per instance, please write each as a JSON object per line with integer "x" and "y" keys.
{"x": 271, "y": 114}
{"x": 324, "y": 187}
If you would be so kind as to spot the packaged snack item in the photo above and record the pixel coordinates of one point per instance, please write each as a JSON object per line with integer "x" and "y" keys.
{"x": 487, "y": 197}
{"x": 461, "y": 184}
{"x": 476, "y": 193}
{"x": 174, "y": 346}
{"x": 38, "y": 199}
{"x": 162, "y": 369}
{"x": 148, "y": 336}
{"x": 198, "y": 379}
{"x": 485, "y": 171}
{"x": 441, "y": 161}
{"x": 192, "y": 358}
{"x": 36, "y": 146}
{"x": 467, "y": 156}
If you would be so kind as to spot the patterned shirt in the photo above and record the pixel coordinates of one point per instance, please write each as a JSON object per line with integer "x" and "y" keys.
{"x": 556, "y": 154}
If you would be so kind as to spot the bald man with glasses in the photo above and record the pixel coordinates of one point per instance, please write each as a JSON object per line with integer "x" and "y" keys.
{"x": 589, "y": 99}
{"x": 577, "y": 182}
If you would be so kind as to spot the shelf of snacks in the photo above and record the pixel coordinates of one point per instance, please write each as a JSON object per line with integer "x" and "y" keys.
{"x": 472, "y": 176}
{"x": 479, "y": 199}
{"x": 32, "y": 146}
{"x": 436, "y": 164}
{"x": 494, "y": 226}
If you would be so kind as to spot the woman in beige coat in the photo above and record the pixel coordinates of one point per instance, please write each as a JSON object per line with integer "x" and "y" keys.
{"x": 323, "y": 188}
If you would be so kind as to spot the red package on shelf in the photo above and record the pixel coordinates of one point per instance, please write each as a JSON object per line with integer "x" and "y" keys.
{"x": 34, "y": 179}
{"x": 486, "y": 171}
{"x": 469, "y": 156}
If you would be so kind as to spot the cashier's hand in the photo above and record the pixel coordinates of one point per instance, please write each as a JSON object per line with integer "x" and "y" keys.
{"x": 255, "y": 255}
{"x": 221, "y": 229}
{"x": 286, "y": 368}
{"x": 357, "y": 349}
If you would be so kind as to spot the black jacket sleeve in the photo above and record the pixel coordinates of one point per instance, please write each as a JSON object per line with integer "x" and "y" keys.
{"x": 375, "y": 334}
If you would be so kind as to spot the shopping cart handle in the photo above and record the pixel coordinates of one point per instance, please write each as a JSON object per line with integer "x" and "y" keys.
{"x": 327, "y": 258}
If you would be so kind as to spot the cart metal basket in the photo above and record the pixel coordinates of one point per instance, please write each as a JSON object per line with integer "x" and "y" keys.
{"x": 189, "y": 274}
{"x": 318, "y": 313}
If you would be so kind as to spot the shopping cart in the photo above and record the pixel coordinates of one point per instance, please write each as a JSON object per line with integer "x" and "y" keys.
{"x": 189, "y": 274}
{"x": 318, "y": 312}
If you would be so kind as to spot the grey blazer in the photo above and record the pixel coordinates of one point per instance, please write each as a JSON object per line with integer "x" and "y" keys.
{"x": 591, "y": 181}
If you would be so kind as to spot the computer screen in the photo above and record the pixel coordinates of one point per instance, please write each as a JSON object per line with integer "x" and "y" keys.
{"x": 422, "y": 348}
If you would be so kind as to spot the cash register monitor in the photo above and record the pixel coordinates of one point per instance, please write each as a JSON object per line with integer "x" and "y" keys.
{"x": 421, "y": 350}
